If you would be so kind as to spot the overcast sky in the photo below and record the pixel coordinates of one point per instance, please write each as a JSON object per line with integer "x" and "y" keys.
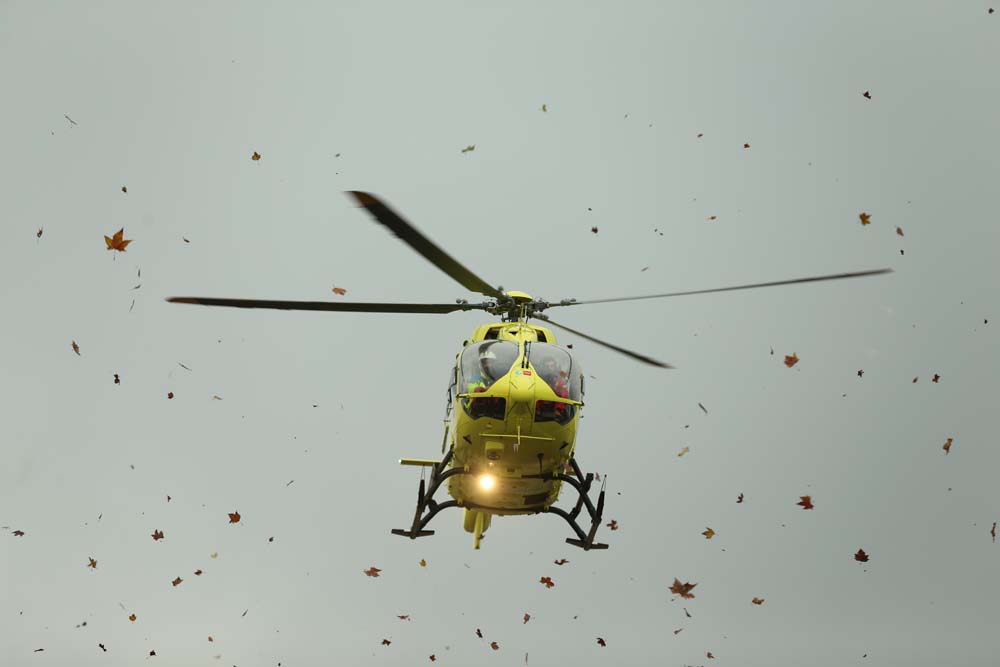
{"x": 709, "y": 144}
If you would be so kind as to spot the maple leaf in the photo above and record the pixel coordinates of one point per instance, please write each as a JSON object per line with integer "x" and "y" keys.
{"x": 758, "y": 601}
{"x": 177, "y": 581}
{"x": 18, "y": 533}
{"x": 157, "y": 535}
{"x": 339, "y": 290}
{"x": 601, "y": 642}
{"x": 39, "y": 234}
{"x": 527, "y": 617}
{"x": 709, "y": 533}
{"x": 684, "y": 451}
{"x": 899, "y": 231}
{"x": 403, "y": 617}
{"x": 494, "y": 646}
{"x": 866, "y": 218}
{"x": 386, "y": 642}
{"x": 708, "y": 654}
{"x": 861, "y": 556}
{"x": 684, "y": 590}
{"x": 791, "y": 360}
{"x": 613, "y": 525}
{"x": 469, "y": 148}
{"x": 76, "y": 348}
{"x": 805, "y": 502}
{"x": 255, "y": 157}
{"x": 92, "y": 564}
{"x": 197, "y": 573}
{"x": 861, "y": 372}
{"x": 118, "y": 241}
{"x": 547, "y": 581}
{"x": 479, "y": 633}
{"x": 372, "y": 571}
{"x": 935, "y": 378}
{"x": 234, "y": 517}
{"x": 561, "y": 561}
{"x": 740, "y": 499}
{"x": 132, "y": 617}
{"x": 423, "y": 563}
{"x": 867, "y": 95}
{"x": 593, "y": 229}
{"x": 947, "y": 446}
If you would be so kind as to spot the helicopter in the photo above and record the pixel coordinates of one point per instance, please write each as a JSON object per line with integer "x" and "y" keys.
{"x": 514, "y": 398}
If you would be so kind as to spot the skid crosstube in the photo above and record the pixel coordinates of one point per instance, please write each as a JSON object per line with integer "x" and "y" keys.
{"x": 427, "y": 508}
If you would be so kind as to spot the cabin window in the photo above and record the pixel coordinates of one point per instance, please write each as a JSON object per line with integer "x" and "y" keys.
{"x": 553, "y": 411}
{"x": 493, "y": 407}
{"x": 557, "y": 368}
{"x": 486, "y": 362}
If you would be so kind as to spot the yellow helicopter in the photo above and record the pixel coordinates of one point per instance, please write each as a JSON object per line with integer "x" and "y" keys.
{"x": 514, "y": 398}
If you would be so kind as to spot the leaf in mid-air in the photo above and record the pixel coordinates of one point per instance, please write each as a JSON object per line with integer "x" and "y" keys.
{"x": 947, "y": 446}
{"x": 339, "y": 290}
{"x": 255, "y": 157}
{"x": 684, "y": 590}
{"x": 684, "y": 451}
{"x": 423, "y": 563}
{"x": 708, "y": 654}
{"x": 792, "y": 359}
{"x": 76, "y": 348}
{"x": 131, "y": 617}
{"x": 709, "y": 533}
{"x": 177, "y": 581}
{"x": 861, "y": 556}
{"x": 593, "y": 229}
{"x": 527, "y": 617}
{"x": 469, "y": 148}
{"x": 935, "y": 378}
{"x": 39, "y": 234}
{"x": 403, "y": 617}
{"x": 740, "y": 499}
{"x": 157, "y": 535}
{"x": 601, "y": 642}
{"x": 234, "y": 517}
{"x": 561, "y": 561}
{"x": 118, "y": 241}
{"x": 746, "y": 145}
{"x": 899, "y": 231}
{"x": 805, "y": 502}
{"x": 372, "y": 571}
{"x": 866, "y": 218}
{"x": 18, "y": 533}
{"x": 867, "y": 95}
{"x": 613, "y": 525}
{"x": 545, "y": 108}
{"x": 479, "y": 633}
{"x": 386, "y": 642}
{"x": 92, "y": 564}
{"x": 197, "y": 573}
{"x": 758, "y": 601}
{"x": 547, "y": 581}
{"x": 494, "y": 646}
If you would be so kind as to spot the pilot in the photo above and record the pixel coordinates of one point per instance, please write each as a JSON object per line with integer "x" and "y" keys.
{"x": 553, "y": 376}
{"x": 484, "y": 374}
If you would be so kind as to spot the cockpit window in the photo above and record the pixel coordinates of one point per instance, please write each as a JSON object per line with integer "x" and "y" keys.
{"x": 557, "y": 368}
{"x": 486, "y": 362}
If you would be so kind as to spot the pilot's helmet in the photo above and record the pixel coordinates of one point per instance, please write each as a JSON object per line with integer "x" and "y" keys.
{"x": 487, "y": 359}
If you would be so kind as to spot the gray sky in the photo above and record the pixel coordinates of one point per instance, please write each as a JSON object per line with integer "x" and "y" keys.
{"x": 171, "y": 101}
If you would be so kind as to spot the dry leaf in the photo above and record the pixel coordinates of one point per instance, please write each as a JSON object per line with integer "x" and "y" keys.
{"x": 117, "y": 380}
{"x": 865, "y": 218}
{"x": 423, "y": 563}
{"x": 947, "y": 446}
{"x": 758, "y": 601}
{"x": 197, "y": 573}
{"x": 124, "y": 189}
{"x": 709, "y": 533}
{"x": 861, "y": 372}
{"x": 210, "y": 638}
{"x": 339, "y": 290}
{"x": 177, "y": 581}
{"x": 102, "y": 648}
{"x": 935, "y": 378}
{"x": 372, "y": 571}
{"x": 234, "y": 517}
{"x": 684, "y": 451}
{"x": 791, "y": 360}
{"x": 708, "y": 654}
{"x": 899, "y": 231}
{"x": 170, "y": 394}
{"x": 152, "y": 653}
{"x": 547, "y": 581}
{"x": 255, "y": 156}
{"x": 684, "y": 590}
{"x": 861, "y": 556}
{"x": 561, "y": 561}
{"x": 39, "y": 234}
{"x": 118, "y": 241}
{"x": 157, "y": 535}
{"x": 431, "y": 656}
{"x": 479, "y": 633}
{"x": 216, "y": 397}
{"x": 214, "y": 555}
{"x": 527, "y": 617}
{"x": 76, "y": 348}
{"x": 805, "y": 502}
{"x": 403, "y": 617}
{"x": 544, "y": 108}
{"x": 711, "y": 217}
{"x": 613, "y": 525}
{"x": 92, "y": 564}
{"x": 469, "y": 148}
{"x": 18, "y": 533}
{"x": 740, "y": 499}
{"x": 678, "y": 631}
{"x": 866, "y": 95}
{"x": 386, "y": 642}
{"x": 593, "y": 229}
{"x": 993, "y": 532}
{"x": 132, "y": 617}
{"x": 601, "y": 642}
{"x": 494, "y": 646}
{"x": 746, "y": 145}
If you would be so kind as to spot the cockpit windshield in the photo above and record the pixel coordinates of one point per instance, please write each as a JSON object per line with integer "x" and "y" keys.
{"x": 557, "y": 368}
{"x": 486, "y": 362}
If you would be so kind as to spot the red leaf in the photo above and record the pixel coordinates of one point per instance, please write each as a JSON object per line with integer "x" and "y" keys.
{"x": 234, "y": 517}
{"x": 805, "y": 502}
{"x": 861, "y": 556}
{"x": 527, "y": 617}
{"x": 118, "y": 241}
{"x": 684, "y": 590}
{"x": 494, "y": 646}
{"x": 791, "y": 360}
{"x": 372, "y": 571}
{"x": 157, "y": 535}
{"x": 547, "y": 581}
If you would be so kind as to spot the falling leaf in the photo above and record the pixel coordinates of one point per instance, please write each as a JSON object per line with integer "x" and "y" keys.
{"x": 740, "y": 499}
{"x": 152, "y": 653}
{"x": 867, "y": 95}
{"x": 711, "y": 217}
{"x": 255, "y": 156}
{"x": 805, "y": 502}
{"x": 899, "y": 231}
{"x": 210, "y": 638}
{"x": 709, "y": 533}
{"x": 157, "y": 535}
{"x": 547, "y": 581}
{"x": 993, "y": 532}
{"x": 92, "y": 564}
{"x": 703, "y": 409}
{"x": 935, "y": 378}
{"x": 791, "y": 360}
{"x": 432, "y": 657}
{"x": 69, "y": 119}
{"x": 601, "y": 642}
{"x": 561, "y": 561}
{"x": 746, "y": 145}
{"x": 544, "y": 108}
{"x": 18, "y": 533}
{"x": 372, "y": 571}
{"x": 118, "y": 241}
{"x": 170, "y": 395}
{"x": 469, "y": 148}
{"x": 479, "y": 633}
{"x": 76, "y": 348}
{"x": 177, "y": 581}
{"x": 708, "y": 654}
{"x": 494, "y": 646}
{"x": 684, "y": 590}
{"x": 593, "y": 229}
{"x": 339, "y": 290}
{"x": 758, "y": 601}
{"x": 124, "y": 189}
{"x": 117, "y": 380}
{"x": 915, "y": 380}
{"x": 216, "y": 397}
{"x": 386, "y": 642}
{"x": 234, "y": 517}
{"x": 686, "y": 612}
{"x": 214, "y": 555}
{"x": 527, "y": 617}
{"x": 700, "y": 135}
{"x": 865, "y": 218}
{"x": 678, "y": 631}
{"x": 38, "y": 650}
{"x": 861, "y": 556}
{"x": 38, "y": 235}
{"x": 102, "y": 648}
{"x": 684, "y": 451}
{"x": 132, "y": 617}
{"x": 947, "y": 446}
{"x": 613, "y": 525}
{"x": 403, "y": 617}
{"x": 185, "y": 240}
{"x": 197, "y": 573}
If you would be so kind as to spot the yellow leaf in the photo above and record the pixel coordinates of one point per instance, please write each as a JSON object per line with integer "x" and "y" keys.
{"x": 709, "y": 533}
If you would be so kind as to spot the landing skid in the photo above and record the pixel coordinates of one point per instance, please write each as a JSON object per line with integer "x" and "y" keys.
{"x": 428, "y": 508}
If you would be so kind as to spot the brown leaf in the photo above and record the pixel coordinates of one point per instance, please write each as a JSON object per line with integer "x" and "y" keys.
{"x": 198, "y": 573}
{"x": 157, "y": 535}
{"x": 947, "y": 446}
{"x": 915, "y": 379}
{"x": 613, "y": 525}
{"x": 92, "y": 564}
{"x": 423, "y": 563}
{"x": 494, "y": 646}
{"x": 170, "y": 395}
{"x": 547, "y": 581}
{"x": 339, "y": 290}
{"x": 740, "y": 499}
{"x": 76, "y": 348}
{"x": 684, "y": 451}
{"x": 805, "y": 502}
{"x": 432, "y": 657}
{"x": 210, "y": 638}
{"x": 527, "y": 617}
{"x": 152, "y": 653}
{"x": 386, "y": 642}
{"x": 132, "y": 617}
{"x": 899, "y": 230}
{"x": 255, "y": 156}
{"x": 708, "y": 654}
{"x": 791, "y": 360}
{"x": 684, "y": 590}
{"x": 234, "y": 517}
{"x": 18, "y": 533}
{"x": 124, "y": 189}
{"x": 479, "y": 633}
{"x": 177, "y": 581}
{"x": 758, "y": 601}
{"x": 700, "y": 135}
{"x": 866, "y": 218}
{"x": 561, "y": 561}
{"x": 861, "y": 556}
{"x": 993, "y": 532}
{"x": 711, "y": 217}
{"x": 38, "y": 235}
{"x": 118, "y": 241}
{"x": 861, "y": 372}
{"x": 935, "y": 378}
{"x": 709, "y": 533}
{"x": 601, "y": 642}
{"x": 746, "y": 145}
{"x": 593, "y": 229}
{"x": 867, "y": 95}
{"x": 372, "y": 571}
{"x": 403, "y": 617}
{"x": 117, "y": 379}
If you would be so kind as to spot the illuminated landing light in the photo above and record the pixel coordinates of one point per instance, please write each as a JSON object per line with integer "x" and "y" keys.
{"x": 487, "y": 482}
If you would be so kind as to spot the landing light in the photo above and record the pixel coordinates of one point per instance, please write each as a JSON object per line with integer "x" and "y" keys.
{"x": 486, "y": 482}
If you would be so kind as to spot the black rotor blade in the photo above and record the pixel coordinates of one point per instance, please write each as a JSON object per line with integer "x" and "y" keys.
{"x": 635, "y": 355}
{"x": 835, "y": 276}
{"x": 346, "y": 306}
{"x": 408, "y": 233}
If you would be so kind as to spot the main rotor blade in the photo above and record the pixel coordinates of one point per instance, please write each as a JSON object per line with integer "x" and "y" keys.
{"x": 408, "y": 233}
{"x": 635, "y": 355}
{"x": 357, "y": 307}
{"x": 835, "y": 276}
